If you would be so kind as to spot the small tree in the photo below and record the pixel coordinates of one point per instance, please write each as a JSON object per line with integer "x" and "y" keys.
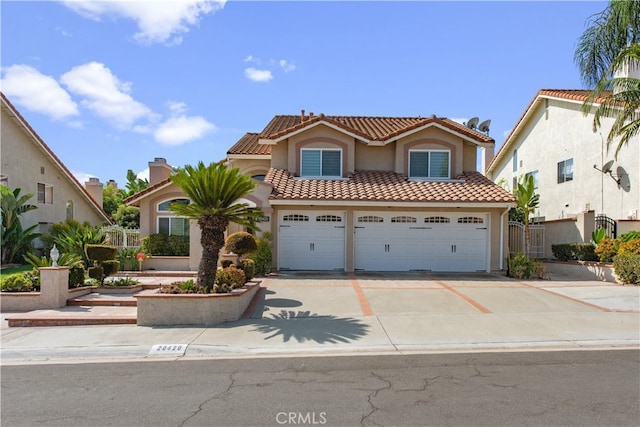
{"x": 104, "y": 263}
{"x": 241, "y": 244}
{"x": 526, "y": 203}
{"x": 15, "y": 240}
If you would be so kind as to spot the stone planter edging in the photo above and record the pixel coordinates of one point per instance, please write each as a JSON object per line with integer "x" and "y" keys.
{"x": 583, "y": 270}
{"x": 27, "y": 301}
{"x": 194, "y": 309}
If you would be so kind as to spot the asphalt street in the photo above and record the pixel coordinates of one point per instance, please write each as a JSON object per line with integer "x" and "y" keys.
{"x": 569, "y": 388}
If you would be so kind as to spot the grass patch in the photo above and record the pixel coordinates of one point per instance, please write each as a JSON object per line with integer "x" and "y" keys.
{"x": 18, "y": 269}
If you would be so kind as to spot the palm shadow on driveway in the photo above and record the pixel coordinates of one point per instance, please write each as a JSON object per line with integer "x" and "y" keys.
{"x": 306, "y": 326}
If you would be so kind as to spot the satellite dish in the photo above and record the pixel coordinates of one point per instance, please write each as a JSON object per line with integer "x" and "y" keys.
{"x": 472, "y": 123}
{"x": 484, "y": 126}
{"x": 606, "y": 168}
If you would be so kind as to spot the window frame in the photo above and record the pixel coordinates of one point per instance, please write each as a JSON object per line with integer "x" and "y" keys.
{"x": 562, "y": 174}
{"x": 534, "y": 174}
{"x": 322, "y": 151}
{"x": 46, "y": 192}
{"x": 167, "y": 214}
{"x": 429, "y": 177}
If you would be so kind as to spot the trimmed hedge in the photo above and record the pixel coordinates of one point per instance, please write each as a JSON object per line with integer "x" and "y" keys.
{"x": 163, "y": 245}
{"x": 574, "y": 252}
{"x": 17, "y": 282}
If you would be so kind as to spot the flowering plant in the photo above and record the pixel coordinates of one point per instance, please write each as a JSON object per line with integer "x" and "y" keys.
{"x": 141, "y": 256}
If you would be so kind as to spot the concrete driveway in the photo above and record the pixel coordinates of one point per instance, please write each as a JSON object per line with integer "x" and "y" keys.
{"x": 338, "y": 313}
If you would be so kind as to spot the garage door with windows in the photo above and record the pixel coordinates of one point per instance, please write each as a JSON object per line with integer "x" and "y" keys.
{"x": 419, "y": 241}
{"x": 311, "y": 240}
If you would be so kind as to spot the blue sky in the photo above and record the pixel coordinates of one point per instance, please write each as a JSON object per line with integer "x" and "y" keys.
{"x": 111, "y": 85}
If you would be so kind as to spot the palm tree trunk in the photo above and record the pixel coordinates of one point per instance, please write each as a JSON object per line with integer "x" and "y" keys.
{"x": 212, "y": 230}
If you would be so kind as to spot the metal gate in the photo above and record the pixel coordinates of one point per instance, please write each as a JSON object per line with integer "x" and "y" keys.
{"x": 517, "y": 239}
{"x": 608, "y": 224}
{"x": 123, "y": 237}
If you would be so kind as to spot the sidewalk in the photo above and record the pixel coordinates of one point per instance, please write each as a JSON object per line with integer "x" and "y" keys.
{"x": 333, "y": 314}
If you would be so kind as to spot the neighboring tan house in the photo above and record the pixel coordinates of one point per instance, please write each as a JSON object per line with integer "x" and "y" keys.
{"x": 28, "y": 163}
{"x": 555, "y": 142}
{"x": 361, "y": 193}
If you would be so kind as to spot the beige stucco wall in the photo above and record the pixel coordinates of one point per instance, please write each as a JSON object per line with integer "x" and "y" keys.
{"x": 26, "y": 165}
{"x": 558, "y": 131}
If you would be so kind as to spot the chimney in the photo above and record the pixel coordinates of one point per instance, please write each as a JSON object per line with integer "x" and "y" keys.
{"x": 310, "y": 115}
{"x": 159, "y": 170}
{"x": 486, "y": 156}
{"x": 301, "y": 116}
{"x": 94, "y": 188}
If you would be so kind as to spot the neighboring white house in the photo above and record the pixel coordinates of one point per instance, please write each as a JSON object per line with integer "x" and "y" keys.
{"x": 29, "y": 164}
{"x": 572, "y": 168}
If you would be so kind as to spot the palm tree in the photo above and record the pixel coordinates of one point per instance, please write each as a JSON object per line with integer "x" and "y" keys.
{"x": 526, "y": 203}
{"x": 610, "y": 42}
{"x": 214, "y": 192}
{"x": 14, "y": 238}
{"x": 623, "y": 104}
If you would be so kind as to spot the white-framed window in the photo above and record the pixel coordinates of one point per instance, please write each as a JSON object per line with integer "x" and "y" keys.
{"x": 69, "y": 209}
{"x": 45, "y": 193}
{"x": 321, "y": 163}
{"x": 515, "y": 160}
{"x": 168, "y": 223}
{"x": 429, "y": 164}
{"x": 534, "y": 174}
{"x": 565, "y": 171}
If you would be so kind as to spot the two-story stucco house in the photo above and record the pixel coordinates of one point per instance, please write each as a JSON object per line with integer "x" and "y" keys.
{"x": 364, "y": 193}
{"x": 555, "y": 142}
{"x": 28, "y": 163}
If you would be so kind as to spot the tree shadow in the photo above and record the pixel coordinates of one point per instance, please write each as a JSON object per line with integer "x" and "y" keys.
{"x": 306, "y": 326}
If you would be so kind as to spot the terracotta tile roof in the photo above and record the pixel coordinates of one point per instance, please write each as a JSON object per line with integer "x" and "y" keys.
{"x": 579, "y": 95}
{"x": 134, "y": 199}
{"x": 248, "y": 144}
{"x": 381, "y": 186}
{"x": 368, "y": 128}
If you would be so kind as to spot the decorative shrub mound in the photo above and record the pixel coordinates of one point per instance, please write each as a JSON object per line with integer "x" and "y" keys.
{"x": 607, "y": 248}
{"x": 228, "y": 279}
{"x": 241, "y": 243}
{"x": 104, "y": 261}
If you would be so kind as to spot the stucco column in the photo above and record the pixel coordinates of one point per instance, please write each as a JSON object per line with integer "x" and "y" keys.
{"x": 54, "y": 286}
{"x": 586, "y": 223}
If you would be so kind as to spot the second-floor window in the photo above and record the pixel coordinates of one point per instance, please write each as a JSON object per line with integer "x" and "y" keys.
{"x": 429, "y": 164}
{"x": 321, "y": 163}
{"x": 45, "y": 193}
{"x": 534, "y": 174}
{"x": 565, "y": 171}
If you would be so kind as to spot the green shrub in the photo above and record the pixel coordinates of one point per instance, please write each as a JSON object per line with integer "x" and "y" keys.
{"x": 630, "y": 235}
{"x": 110, "y": 267}
{"x": 231, "y": 276}
{"x": 574, "y": 251}
{"x": 627, "y": 267}
{"x": 262, "y": 257}
{"x": 226, "y": 263}
{"x": 186, "y": 287}
{"x": 163, "y": 245}
{"x": 17, "y": 282}
{"x": 76, "y": 276}
{"x": 607, "y": 249}
{"x": 523, "y": 267}
{"x": 249, "y": 268}
{"x": 96, "y": 272}
{"x": 127, "y": 258}
{"x": 241, "y": 243}
{"x": 101, "y": 252}
{"x": 630, "y": 247}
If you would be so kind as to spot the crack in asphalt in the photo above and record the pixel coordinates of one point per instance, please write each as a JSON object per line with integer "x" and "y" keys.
{"x": 217, "y": 396}
{"x": 372, "y": 395}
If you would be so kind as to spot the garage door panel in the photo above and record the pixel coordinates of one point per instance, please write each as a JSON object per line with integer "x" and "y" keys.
{"x": 436, "y": 242}
{"x": 311, "y": 240}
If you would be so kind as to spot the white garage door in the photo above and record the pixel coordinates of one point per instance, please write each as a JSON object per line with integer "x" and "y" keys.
{"x": 419, "y": 241}
{"x": 311, "y": 240}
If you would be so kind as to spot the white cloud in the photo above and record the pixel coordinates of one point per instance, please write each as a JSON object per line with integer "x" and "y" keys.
{"x": 180, "y": 130}
{"x": 106, "y": 95}
{"x": 160, "y": 21}
{"x": 286, "y": 66}
{"x": 31, "y": 89}
{"x": 143, "y": 174}
{"x": 176, "y": 108}
{"x": 82, "y": 177}
{"x": 258, "y": 75}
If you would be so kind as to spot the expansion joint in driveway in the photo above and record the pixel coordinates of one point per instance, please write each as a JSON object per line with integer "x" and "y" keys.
{"x": 362, "y": 298}
{"x": 475, "y": 304}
